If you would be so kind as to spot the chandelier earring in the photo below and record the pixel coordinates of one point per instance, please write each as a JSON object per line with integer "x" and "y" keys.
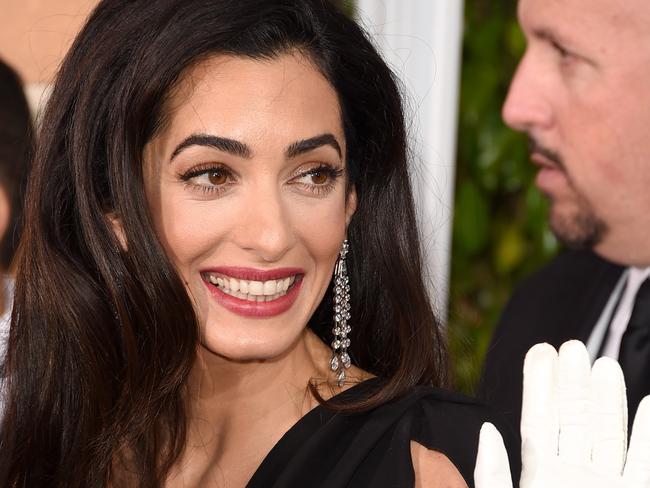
{"x": 340, "y": 360}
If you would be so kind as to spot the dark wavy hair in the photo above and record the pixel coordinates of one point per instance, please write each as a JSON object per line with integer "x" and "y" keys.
{"x": 15, "y": 150}
{"x": 102, "y": 340}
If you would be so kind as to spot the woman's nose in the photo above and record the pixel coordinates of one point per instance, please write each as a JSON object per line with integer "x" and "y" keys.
{"x": 265, "y": 227}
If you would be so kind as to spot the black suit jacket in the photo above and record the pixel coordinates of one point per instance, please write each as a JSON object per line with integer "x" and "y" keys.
{"x": 563, "y": 301}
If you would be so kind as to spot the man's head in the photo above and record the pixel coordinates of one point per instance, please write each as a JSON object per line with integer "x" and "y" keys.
{"x": 582, "y": 93}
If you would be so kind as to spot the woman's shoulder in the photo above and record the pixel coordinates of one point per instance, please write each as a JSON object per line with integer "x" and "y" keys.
{"x": 429, "y": 408}
{"x": 440, "y": 420}
{"x": 438, "y": 411}
{"x": 373, "y": 448}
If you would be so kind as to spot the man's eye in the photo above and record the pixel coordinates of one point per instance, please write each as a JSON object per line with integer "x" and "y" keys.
{"x": 564, "y": 53}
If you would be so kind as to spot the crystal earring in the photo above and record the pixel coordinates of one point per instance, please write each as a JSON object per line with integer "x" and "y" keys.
{"x": 340, "y": 360}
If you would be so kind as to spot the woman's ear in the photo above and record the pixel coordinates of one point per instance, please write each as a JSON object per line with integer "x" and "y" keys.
{"x": 116, "y": 224}
{"x": 350, "y": 205}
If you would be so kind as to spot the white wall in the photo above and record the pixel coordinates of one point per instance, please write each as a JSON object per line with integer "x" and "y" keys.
{"x": 421, "y": 40}
{"x": 34, "y": 37}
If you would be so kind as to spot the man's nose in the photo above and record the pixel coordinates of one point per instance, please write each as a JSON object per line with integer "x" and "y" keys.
{"x": 265, "y": 227}
{"x": 527, "y": 105}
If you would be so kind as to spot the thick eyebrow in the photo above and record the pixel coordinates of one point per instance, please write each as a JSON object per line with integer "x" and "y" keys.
{"x": 224, "y": 144}
{"x": 306, "y": 145}
{"x": 240, "y": 149}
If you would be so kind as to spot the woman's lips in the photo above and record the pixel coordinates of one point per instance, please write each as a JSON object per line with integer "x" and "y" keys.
{"x": 253, "y": 274}
{"x": 254, "y": 293}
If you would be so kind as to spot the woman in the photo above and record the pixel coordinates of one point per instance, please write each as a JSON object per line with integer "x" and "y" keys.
{"x": 204, "y": 169}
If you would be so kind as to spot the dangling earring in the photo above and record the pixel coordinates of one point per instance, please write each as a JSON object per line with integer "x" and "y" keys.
{"x": 340, "y": 358}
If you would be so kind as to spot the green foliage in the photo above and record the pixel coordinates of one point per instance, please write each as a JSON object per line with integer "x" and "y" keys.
{"x": 500, "y": 230}
{"x": 348, "y": 6}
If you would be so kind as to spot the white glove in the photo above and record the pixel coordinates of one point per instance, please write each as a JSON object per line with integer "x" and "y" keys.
{"x": 573, "y": 427}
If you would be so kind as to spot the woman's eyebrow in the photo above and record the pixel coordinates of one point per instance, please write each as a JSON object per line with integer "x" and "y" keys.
{"x": 306, "y": 145}
{"x": 224, "y": 144}
{"x": 241, "y": 150}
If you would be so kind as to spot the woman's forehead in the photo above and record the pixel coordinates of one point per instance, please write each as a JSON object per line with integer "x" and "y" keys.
{"x": 283, "y": 98}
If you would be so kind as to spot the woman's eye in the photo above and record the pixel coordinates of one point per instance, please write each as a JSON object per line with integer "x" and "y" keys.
{"x": 319, "y": 177}
{"x": 319, "y": 180}
{"x": 217, "y": 177}
{"x": 207, "y": 179}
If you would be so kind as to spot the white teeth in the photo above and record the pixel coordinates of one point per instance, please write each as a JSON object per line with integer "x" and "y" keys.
{"x": 254, "y": 291}
{"x": 269, "y": 288}
{"x": 256, "y": 288}
{"x": 234, "y": 284}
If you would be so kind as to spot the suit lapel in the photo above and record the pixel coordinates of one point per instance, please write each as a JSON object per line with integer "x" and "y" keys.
{"x": 592, "y": 292}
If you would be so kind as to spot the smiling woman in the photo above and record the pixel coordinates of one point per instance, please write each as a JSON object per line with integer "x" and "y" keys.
{"x": 220, "y": 280}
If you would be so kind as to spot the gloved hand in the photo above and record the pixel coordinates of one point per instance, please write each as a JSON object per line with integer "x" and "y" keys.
{"x": 573, "y": 427}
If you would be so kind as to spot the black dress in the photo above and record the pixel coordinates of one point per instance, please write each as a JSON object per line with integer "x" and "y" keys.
{"x": 372, "y": 449}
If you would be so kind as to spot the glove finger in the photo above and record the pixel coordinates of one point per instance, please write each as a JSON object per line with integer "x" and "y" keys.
{"x": 608, "y": 417}
{"x": 574, "y": 378}
{"x": 637, "y": 467}
{"x": 492, "y": 467}
{"x": 539, "y": 417}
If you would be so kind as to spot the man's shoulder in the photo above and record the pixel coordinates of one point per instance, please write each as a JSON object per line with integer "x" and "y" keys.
{"x": 561, "y": 301}
{"x": 569, "y": 272}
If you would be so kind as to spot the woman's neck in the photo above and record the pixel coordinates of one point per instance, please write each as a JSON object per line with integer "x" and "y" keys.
{"x": 239, "y": 410}
{"x": 219, "y": 387}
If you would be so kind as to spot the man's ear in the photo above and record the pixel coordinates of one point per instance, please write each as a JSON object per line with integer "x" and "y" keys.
{"x": 118, "y": 230}
{"x": 5, "y": 212}
{"x": 350, "y": 205}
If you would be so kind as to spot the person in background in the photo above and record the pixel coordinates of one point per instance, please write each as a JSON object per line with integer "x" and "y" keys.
{"x": 15, "y": 149}
{"x": 582, "y": 94}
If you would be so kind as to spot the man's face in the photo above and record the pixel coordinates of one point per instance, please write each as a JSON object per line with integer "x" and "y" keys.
{"x": 582, "y": 93}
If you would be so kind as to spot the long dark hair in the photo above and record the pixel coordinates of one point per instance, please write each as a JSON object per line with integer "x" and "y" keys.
{"x": 15, "y": 150}
{"x": 102, "y": 339}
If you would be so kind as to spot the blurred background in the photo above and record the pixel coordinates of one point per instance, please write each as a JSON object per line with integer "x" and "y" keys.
{"x": 500, "y": 233}
{"x": 489, "y": 220}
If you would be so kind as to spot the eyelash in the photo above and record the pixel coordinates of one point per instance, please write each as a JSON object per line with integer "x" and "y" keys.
{"x": 564, "y": 54}
{"x": 332, "y": 173}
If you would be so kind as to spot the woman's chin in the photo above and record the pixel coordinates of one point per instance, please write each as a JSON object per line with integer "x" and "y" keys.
{"x": 246, "y": 351}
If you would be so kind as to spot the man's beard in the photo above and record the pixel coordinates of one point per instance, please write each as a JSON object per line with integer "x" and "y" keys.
{"x": 583, "y": 228}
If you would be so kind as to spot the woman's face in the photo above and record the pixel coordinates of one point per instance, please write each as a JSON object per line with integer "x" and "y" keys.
{"x": 247, "y": 187}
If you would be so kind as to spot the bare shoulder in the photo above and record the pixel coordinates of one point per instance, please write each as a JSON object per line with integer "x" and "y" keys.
{"x": 433, "y": 469}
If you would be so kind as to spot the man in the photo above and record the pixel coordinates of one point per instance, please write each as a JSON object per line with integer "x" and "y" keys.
{"x": 582, "y": 94}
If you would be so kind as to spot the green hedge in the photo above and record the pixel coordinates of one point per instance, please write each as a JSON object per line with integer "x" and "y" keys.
{"x": 500, "y": 230}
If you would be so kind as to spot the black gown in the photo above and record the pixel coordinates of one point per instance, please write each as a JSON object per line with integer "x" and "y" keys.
{"x": 372, "y": 449}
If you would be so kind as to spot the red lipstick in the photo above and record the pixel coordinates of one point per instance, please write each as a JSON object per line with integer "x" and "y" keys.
{"x": 252, "y": 274}
{"x": 249, "y": 308}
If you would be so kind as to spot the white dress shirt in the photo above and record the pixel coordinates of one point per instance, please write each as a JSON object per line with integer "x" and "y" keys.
{"x": 611, "y": 328}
